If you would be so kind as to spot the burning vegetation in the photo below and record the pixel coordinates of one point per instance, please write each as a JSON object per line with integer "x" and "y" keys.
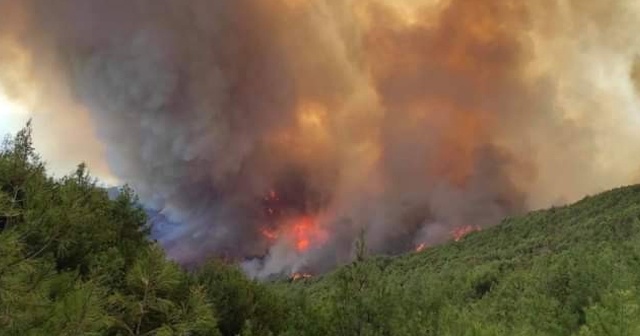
{"x": 456, "y": 235}
{"x": 526, "y": 277}
{"x": 280, "y": 129}
{"x": 302, "y": 233}
{"x": 300, "y": 276}
{"x": 291, "y": 222}
{"x": 421, "y": 247}
{"x": 459, "y": 233}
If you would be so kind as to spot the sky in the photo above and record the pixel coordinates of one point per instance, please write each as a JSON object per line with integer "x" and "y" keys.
{"x": 63, "y": 150}
{"x": 12, "y": 115}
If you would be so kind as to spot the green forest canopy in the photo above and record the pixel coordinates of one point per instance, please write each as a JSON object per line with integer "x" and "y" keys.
{"x": 74, "y": 262}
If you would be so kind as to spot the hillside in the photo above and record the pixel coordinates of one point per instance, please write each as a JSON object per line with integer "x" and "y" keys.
{"x": 551, "y": 272}
{"x": 74, "y": 261}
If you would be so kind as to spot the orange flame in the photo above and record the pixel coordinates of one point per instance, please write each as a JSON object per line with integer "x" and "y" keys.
{"x": 420, "y": 247}
{"x": 303, "y": 233}
{"x": 297, "y": 276}
{"x": 461, "y": 232}
{"x": 269, "y": 233}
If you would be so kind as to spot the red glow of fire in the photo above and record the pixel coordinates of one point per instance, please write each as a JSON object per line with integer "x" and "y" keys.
{"x": 421, "y": 247}
{"x": 269, "y": 233}
{"x": 303, "y": 232}
{"x": 460, "y": 232}
{"x": 272, "y": 195}
{"x": 298, "y": 276}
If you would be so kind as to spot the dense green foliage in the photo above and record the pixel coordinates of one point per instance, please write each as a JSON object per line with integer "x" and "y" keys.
{"x": 573, "y": 270}
{"x": 75, "y": 262}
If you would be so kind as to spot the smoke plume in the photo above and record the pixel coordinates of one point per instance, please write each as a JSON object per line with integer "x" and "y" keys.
{"x": 275, "y": 131}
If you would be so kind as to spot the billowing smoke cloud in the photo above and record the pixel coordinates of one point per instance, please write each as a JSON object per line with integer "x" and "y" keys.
{"x": 280, "y": 129}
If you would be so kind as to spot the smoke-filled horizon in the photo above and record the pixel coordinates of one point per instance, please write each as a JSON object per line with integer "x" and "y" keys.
{"x": 280, "y": 129}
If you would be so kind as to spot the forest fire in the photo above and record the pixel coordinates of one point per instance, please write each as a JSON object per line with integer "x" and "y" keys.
{"x": 307, "y": 233}
{"x": 300, "y": 276}
{"x": 270, "y": 234}
{"x": 456, "y": 235}
{"x": 302, "y": 233}
{"x": 288, "y": 221}
{"x": 461, "y": 232}
{"x": 404, "y": 119}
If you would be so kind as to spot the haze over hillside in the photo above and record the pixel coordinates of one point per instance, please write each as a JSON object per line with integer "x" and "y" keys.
{"x": 564, "y": 271}
{"x": 74, "y": 261}
{"x": 282, "y": 129}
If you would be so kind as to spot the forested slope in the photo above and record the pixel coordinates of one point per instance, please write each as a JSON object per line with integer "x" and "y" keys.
{"x": 75, "y": 262}
{"x": 573, "y": 269}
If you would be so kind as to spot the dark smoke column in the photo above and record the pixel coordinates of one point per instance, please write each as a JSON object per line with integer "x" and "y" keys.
{"x": 275, "y": 131}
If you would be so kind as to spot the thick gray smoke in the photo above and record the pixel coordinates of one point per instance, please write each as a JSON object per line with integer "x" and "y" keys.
{"x": 280, "y": 129}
